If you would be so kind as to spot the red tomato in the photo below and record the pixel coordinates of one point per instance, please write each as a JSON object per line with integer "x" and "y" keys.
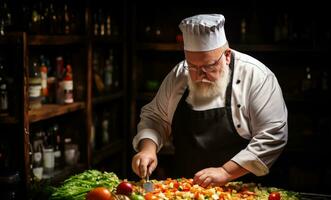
{"x": 274, "y": 196}
{"x": 124, "y": 188}
{"x": 99, "y": 193}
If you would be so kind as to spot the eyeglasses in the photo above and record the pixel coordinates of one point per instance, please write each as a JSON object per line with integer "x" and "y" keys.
{"x": 206, "y": 68}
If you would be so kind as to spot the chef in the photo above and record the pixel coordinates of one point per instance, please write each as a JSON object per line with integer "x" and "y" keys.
{"x": 223, "y": 109}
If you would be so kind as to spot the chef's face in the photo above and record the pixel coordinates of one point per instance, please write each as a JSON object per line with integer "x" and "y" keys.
{"x": 207, "y": 67}
{"x": 209, "y": 74}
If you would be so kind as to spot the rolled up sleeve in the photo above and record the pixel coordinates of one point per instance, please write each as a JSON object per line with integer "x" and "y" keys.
{"x": 156, "y": 116}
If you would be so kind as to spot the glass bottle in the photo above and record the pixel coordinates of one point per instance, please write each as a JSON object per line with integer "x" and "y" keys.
{"x": 108, "y": 25}
{"x": 3, "y": 88}
{"x": 38, "y": 162}
{"x": 67, "y": 20}
{"x": 108, "y": 72}
{"x": 31, "y": 159}
{"x": 57, "y": 146}
{"x": 307, "y": 83}
{"x": 101, "y": 22}
{"x": 35, "y": 86}
{"x": 95, "y": 24}
{"x": 7, "y": 16}
{"x": 105, "y": 128}
{"x": 35, "y": 20}
{"x": 43, "y": 74}
{"x": 53, "y": 19}
{"x": 68, "y": 85}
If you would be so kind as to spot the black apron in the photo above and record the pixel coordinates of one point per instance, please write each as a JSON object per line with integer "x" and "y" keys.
{"x": 204, "y": 138}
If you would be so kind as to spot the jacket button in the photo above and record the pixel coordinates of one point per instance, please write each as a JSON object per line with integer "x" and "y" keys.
{"x": 238, "y": 126}
{"x": 238, "y": 105}
{"x": 238, "y": 81}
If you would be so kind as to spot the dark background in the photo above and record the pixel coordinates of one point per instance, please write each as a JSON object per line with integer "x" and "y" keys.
{"x": 292, "y": 38}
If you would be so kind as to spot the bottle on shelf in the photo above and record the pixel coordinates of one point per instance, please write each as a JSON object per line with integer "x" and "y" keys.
{"x": 5, "y": 18}
{"x": 48, "y": 160}
{"x": 307, "y": 83}
{"x": 67, "y": 20}
{"x": 105, "y": 128}
{"x": 95, "y": 24}
{"x": 98, "y": 74}
{"x": 43, "y": 73}
{"x": 68, "y": 85}
{"x": 31, "y": 160}
{"x": 58, "y": 147}
{"x": 35, "y": 83}
{"x": 108, "y": 25}
{"x": 71, "y": 152}
{"x": 44, "y": 17}
{"x": 38, "y": 168}
{"x": 3, "y": 88}
{"x": 52, "y": 19}
{"x": 108, "y": 72}
{"x": 102, "y": 24}
{"x": 34, "y": 25}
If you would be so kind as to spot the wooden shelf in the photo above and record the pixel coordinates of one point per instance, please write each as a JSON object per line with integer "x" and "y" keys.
{"x": 52, "y": 110}
{"x": 108, "y": 97}
{"x": 105, "y": 152}
{"x": 36, "y": 40}
{"x": 160, "y": 46}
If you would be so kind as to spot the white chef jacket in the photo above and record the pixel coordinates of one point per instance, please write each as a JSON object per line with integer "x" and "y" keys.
{"x": 258, "y": 110}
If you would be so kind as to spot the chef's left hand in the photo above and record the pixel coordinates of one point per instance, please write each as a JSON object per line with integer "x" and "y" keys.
{"x": 211, "y": 177}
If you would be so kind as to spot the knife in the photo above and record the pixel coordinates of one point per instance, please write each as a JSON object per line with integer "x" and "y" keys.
{"x": 148, "y": 186}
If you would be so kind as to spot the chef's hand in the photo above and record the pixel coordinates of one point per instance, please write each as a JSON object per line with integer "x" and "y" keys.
{"x": 211, "y": 177}
{"x": 145, "y": 161}
{"x": 219, "y": 176}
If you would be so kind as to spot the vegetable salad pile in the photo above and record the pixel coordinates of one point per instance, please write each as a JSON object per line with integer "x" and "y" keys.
{"x": 96, "y": 185}
{"x": 77, "y": 186}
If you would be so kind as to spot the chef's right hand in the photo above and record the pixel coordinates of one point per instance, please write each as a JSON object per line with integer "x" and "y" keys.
{"x": 145, "y": 161}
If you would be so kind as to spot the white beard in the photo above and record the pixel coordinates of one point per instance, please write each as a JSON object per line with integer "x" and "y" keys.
{"x": 204, "y": 91}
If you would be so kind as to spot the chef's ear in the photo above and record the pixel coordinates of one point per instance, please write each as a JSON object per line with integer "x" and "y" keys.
{"x": 228, "y": 56}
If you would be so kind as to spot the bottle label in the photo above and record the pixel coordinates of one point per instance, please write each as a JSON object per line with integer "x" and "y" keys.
{"x": 38, "y": 172}
{"x": 34, "y": 91}
{"x": 68, "y": 93}
{"x": 43, "y": 80}
{"x": 49, "y": 158}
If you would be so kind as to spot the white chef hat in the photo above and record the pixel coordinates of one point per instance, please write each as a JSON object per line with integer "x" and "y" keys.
{"x": 203, "y": 32}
